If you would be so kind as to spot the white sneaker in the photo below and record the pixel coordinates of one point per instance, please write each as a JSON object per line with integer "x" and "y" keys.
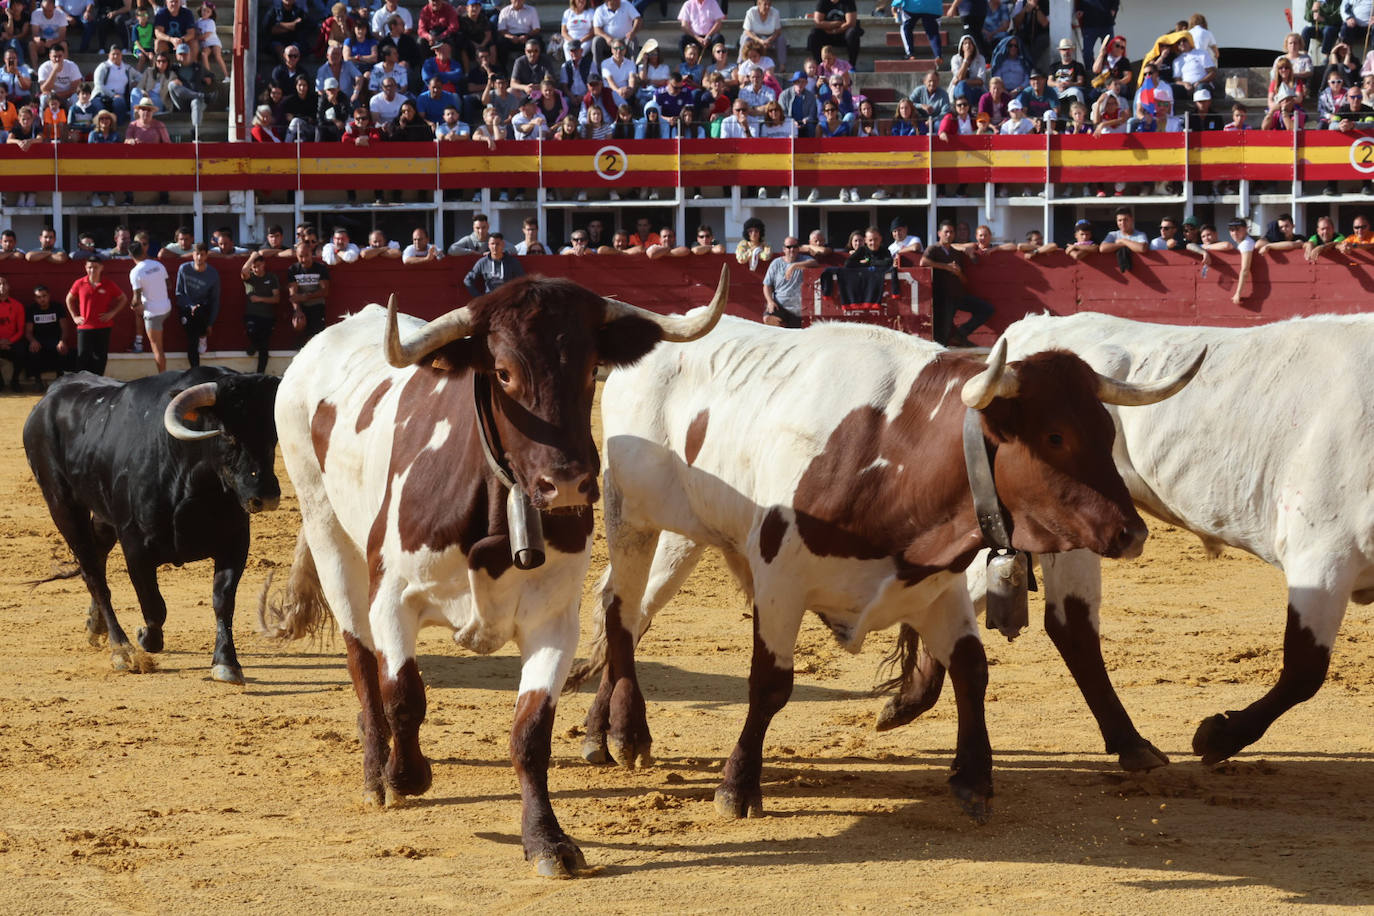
{"x": 32, "y": 200}
{"x": 615, "y": 195}
{"x": 96, "y": 201}
{"x": 784, "y": 195}
{"x": 696, "y": 196}
{"x": 813, "y": 196}
{"x": 853, "y": 195}
{"x": 519, "y": 195}
{"x": 204, "y": 345}
{"x": 476, "y": 197}
{"x": 762, "y": 194}
{"x": 551, "y": 195}
{"x": 880, "y": 194}
{"x": 504, "y": 196}
{"x": 653, "y": 195}
{"x": 581, "y": 195}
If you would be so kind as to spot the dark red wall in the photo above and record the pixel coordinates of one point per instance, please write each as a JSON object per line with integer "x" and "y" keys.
{"x": 1162, "y": 287}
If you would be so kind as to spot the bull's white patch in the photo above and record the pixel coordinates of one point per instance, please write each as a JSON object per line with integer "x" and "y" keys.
{"x": 934, "y": 411}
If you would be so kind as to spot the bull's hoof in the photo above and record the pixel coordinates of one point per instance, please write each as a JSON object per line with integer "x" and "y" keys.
{"x": 976, "y": 805}
{"x": 561, "y": 859}
{"x": 1141, "y": 758}
{"x": 394, "y": 798}
{"x": 594, "y": 750}
{"x": 227, "y": 674}
{"x": 734, "y": 804}
{"x": 150, "y": 639}
{"x": 373, "y": 798}
{"x": 630, "y": 753}
{"x": 1216, "y": 739}
{"x": 411, "y": 777}
{"x": 895, "y": 714}
{"x": 96, "y": 630}
{"x": 122, "y": 659}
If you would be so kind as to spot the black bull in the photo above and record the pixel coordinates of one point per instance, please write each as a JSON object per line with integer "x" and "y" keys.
{"x": 169, "y": 489}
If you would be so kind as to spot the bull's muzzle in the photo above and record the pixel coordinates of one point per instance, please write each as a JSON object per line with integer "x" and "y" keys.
{"x": 257, "y": 504}
{"x": 1129, "y": 542}
{"x": 571, "y": 490}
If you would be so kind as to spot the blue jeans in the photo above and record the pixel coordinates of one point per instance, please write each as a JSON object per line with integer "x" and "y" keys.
{"x": 931, "y": 24}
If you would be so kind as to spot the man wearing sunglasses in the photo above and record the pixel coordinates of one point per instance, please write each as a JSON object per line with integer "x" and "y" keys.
{"x": 782, "y": 286}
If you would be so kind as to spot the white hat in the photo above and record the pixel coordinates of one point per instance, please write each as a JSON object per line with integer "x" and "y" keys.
{"x": 1066, "y": 44}
{"x": 1014, "y": 104}
{"x": 1049, "y": 115}
{"x": 1163, "y": 93}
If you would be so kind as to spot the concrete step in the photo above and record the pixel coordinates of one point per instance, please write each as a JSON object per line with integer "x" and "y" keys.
{"x": 904, "y": 66}
{"x": 894, "y": 39}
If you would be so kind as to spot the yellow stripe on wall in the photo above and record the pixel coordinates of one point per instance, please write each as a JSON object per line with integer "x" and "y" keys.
{"x": 490, "y": 163}
{"x": 311, "y": 165}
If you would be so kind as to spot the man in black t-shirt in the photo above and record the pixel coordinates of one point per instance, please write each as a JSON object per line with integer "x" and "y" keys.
{"x": 949, "y": 268}
{"x": 1068, "y": 77}
{"x": 307, "y": 287}
{"x": 261, "y": 294}
{"x": 837, "y": 23}
{"x": 45, "y": 328}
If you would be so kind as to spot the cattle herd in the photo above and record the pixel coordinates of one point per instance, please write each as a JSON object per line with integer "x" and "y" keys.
{"x": 446, "y": 473}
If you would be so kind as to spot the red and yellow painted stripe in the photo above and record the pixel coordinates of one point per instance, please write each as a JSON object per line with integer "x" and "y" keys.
{"x": 611, "y": 164}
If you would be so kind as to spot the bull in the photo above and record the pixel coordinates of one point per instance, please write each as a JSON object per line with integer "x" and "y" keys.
{"x": 847, "y": 496}
{"x": 426, "y": 457}
{"x": 170, "y": 466}
{"x": 1265, "y": 453}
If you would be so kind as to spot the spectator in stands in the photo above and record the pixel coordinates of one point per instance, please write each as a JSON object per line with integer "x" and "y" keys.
{"x": 155, "y": 83}
{"x": 408, "y": 53}
{"x": 614, "y": 21}
{"x": 516, "y": 24}
{"x": 224, "y": 246}
{"x": 706, "y": 242}
{"x": 420, "y": 250}
{"x": 361, "y": 129}
{"x": 836, "y": 24}
{"x": 1082, "y": 244}
{"x": 1323, "y": 17}
{"x": 618, "y": 71}
{"x": 274, "y": 245}
{"x": 800, "y": 104}
{"x": 927, "y": 14}
{"x": 494, "y": 269}
{"x": 723, "y": 64}
{"x": 969, "y": 70}
{"x": 450, "y": 72}
{"x": 1111, "y": 118}
{"x": 1280, "y": 235}
{"x": 902, "y": 241}
{"x": 451, "y": 128}
{"x": 307, "y": 289}
{"x": 1326, "y": 239}
{"x": 386, "y": 105}
{"x": 1016, "y": 123}
{"x": 930, "y": 100}
{"x": 339, "y": 249}
{"x": 439, "y": 22}
{"x": 391, "y": 67}
{"x": 1008, "y": 65}
{"x": 432, "y": 103}
{"x": 283, "y": 25}
{"x": 1124, "y": 239}
{"x": 47, "y": 249}
{"x": 58, "y": 77}
{"x": 959, "y": 121}
{"x": 950, "y": 271}
{"x": 997, "y": 25}
{"x": 190, "y": 87}
{"x": 1112, "y": 63}
{"x": 1241, "y": 241}
{"x": 16, "y": 77}
{"x": 666, "y": 246}
{"x": 264, "y": 128}
{"x": 143, "y": 39}
{"x": 1069, "y": 77}
{"x": 1168, "y": 238}
{"x": 1356, "y": 16}
{"x": 1340, "y": 59}
{"x": 1096, "y": 21}
{"x": 529, "y": 244}
{"x": 343, "y": 72}
{"x": 530, "y": 70}
{"x": 653, "y": 72}
{"x": 1030, "y": 21}
{"x": 47, "y": 30}
{"x": 1201, "y": 117}
{"x": 24, "y": 133}
{"x": 174, "y": 25}
{"x": 576, "y": 24}
{"x": 360, "y": 49}
{"x": 833, "y": 88}
{"x": 994, "y": 101}
{"x": 388, "y": 10}
{"x": 338, "y": 28}
{"x": 284, "y": 74}
{"x": 9, "y": 246}
{"x": 1194, "y": 68}
{"x": 577, "y": 68}
{"x": 476, "y": 241}
{"x": 1330, "y": 98}
{"x": 1285, "y": 115}
{"x": 1038, "y": 98}
{"x": 1361, "y": 235}
{"x": 1281, "y": 76}
{"x": 701, "y": 21}
{"x": 85, "y": 247}
{"x": 529, "y": 124}
{"x": 408, "y": 127}
{"x": 379, "y": 247}
{"x": 755, "y": 94}
{"x": 1294, "y": 48}
{"x": 113, "y": 80}
{"x": 477, "y": 31}
{"x": 763, "y": 24}
{"x": 54, "y": 120}
{"x": 1355, "y": 113}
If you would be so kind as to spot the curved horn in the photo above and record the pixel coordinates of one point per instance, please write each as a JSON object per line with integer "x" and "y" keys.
{"x": 1127, "y": 394}
{"x": 445, "y": 329}
{"x": 202, "y": 395}
{"x": 678, "y": 328}
{"x": 996, "y": 381}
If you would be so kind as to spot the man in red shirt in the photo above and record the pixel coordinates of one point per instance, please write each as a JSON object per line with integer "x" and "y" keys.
{"x": 12, "y": 344}
{"x": 93, "y": 304}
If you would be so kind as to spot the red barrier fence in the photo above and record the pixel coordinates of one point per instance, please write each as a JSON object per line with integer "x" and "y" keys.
{"x": 1165, "y": 287}
{"x": 605, "y": 165}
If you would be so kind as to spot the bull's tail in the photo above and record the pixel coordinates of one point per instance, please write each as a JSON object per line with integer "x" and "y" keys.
{"x": 583, "y": 670}
{"x": 66, "y": 572}
{"x": 901, "y": 660}
{"x": 300, "y": 611}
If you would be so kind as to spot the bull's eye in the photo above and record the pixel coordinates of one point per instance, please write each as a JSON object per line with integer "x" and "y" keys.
{"x": 503, "y": 376}
{"x": 1056, "y": 440}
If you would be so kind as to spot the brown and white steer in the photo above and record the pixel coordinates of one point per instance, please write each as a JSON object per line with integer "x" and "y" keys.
{"x": 404, "y": 523}
{"x": 827, "y": 465}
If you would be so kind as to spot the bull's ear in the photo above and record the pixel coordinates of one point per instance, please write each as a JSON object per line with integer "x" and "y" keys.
{"x": 464, "y": 353}
{"x": 624, "y": 341}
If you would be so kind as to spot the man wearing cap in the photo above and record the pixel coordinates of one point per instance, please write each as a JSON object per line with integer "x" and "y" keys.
{"x": 1038, "y": 97}
{"x": 1193, "y": 69}
{"x": 800, "y": 104}
{"x": 530, "y": 70}
{"x": 1082, "y": 243}
{"x": 1069, "y": 76}
{"x": 190, "y": 86}
{"x": 1240, "y": 240}
{"x": 438, "y": 22}
{"x": 343, "y": 73}
{"x": 614, "y": 20}
{"x": 902, "y": 240}
{"x": 577, "y": 67}
{"x": 516, "y": 24}
{"x": 1017, "y": 123}
{"x": 93, "y": 304}
{"x": 145, "y": 128}
{"x": 442, "y": 65}
{"x": 930, "y": 98}
{"x": 476, "y": 33}
{"x": 175, "y": 25}
{"x": 1201, "y": 117}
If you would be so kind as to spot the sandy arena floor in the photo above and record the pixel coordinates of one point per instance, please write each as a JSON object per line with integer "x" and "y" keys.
{"x": 170, "y": 793}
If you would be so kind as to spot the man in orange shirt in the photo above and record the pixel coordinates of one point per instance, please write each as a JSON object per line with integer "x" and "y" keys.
{"x": 1361, "y": 236}
{"x": 644, "y": 234}
{"x": 93, "y": 304}
{"x": 12, "y": 344}
{"x": 9, "y": 112}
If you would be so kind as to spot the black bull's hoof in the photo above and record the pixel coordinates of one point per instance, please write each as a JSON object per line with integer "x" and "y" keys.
{"x": 1218, "y": 737}
{"x": 1142, "y": 757}
{"x": 558, "y": 858}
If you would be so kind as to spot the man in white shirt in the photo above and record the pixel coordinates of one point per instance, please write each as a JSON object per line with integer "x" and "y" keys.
{"x": 741, "y": 125}
{"x": 49, "y": 30}
{"x": 339, "y": 249}
{"x": 386, "y": 11}
{"x": 755, "y": 94}
{"x": 386, "y": 104}
{"x": 614, "y": 20}
{"x": 420, "y": 250}
{"x": 902, "y": 240}
{"x": 1125, "y": 235}
{"x": 149, "y": 280}
{"x": 515, "y": 25}
{"x": 617, "y": 69}
{"x": 530, "y": 244}
{"x": 1194, "y": 69}
{"x": 528, "y": 123}
{"x": 1241, "y": 241}
{"x": 58, "y": 76}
